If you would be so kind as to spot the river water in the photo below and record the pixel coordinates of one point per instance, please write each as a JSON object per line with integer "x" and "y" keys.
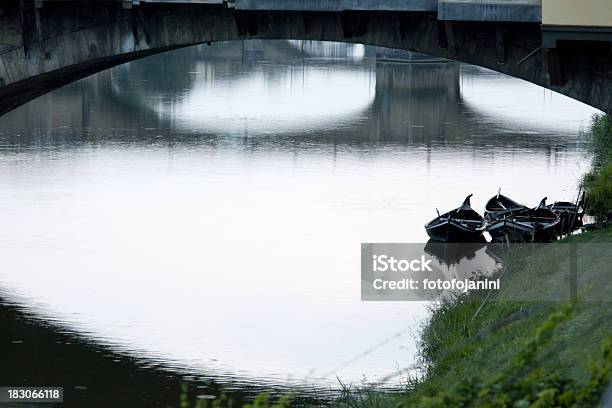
{"x": 199, "y": 214}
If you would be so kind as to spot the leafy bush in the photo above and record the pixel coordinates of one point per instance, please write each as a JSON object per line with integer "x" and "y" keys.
{"x": 599, "y": 191}
{"x": 601, "y": 146}
{"x": 598, "y": 183}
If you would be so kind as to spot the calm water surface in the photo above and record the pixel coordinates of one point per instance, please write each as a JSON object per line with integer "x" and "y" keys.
{"x": 202, "y": 211}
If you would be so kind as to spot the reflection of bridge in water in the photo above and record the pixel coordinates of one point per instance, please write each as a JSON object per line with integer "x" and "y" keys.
{"x": 412, "y": 105}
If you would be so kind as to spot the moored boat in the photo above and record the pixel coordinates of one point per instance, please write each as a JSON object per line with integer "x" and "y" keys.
{"x": 500, "y": 206}
{"x": 538, "y": 224}
{"x": 462, "y": 224}
{"x": 571, "y": 215}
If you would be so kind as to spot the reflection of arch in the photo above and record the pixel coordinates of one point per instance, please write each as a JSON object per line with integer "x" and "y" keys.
{"x": 81, "y": 42}
{"x": 287, "y": 100}
{"x": 412, "y": 105}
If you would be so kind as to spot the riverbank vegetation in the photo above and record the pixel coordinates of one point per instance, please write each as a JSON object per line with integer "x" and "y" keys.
{"x": 598, "y": 182}
{"x": 527, "y": 353}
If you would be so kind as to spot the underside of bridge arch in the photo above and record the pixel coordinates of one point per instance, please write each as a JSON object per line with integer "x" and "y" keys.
{"x": 65, "y": 42}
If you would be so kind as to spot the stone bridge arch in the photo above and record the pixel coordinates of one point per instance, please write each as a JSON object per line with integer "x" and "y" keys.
{"x": 43, "y": 49}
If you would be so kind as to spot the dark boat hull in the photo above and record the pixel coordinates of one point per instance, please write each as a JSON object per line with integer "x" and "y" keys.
{"x": 570, "y": 214}
{"x": 500, "y": 207}
{"x": 570, "y": 223}
{"x": 512, "y": 230}
{"x": 454, "y": 231}
{"x": 462, "y": 224}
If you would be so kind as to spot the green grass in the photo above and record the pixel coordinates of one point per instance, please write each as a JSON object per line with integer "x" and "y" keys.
{"x": 515, "y": 350}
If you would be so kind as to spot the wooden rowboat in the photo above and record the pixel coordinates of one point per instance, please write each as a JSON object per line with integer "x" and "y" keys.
{"x": 462, "y": 224}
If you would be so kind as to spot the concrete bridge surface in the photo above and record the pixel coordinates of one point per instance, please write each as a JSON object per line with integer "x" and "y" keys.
{"x": 45, "y": 44}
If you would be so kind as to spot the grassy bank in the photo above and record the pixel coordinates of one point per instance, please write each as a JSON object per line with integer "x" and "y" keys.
{"x": 537, "y": 353}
